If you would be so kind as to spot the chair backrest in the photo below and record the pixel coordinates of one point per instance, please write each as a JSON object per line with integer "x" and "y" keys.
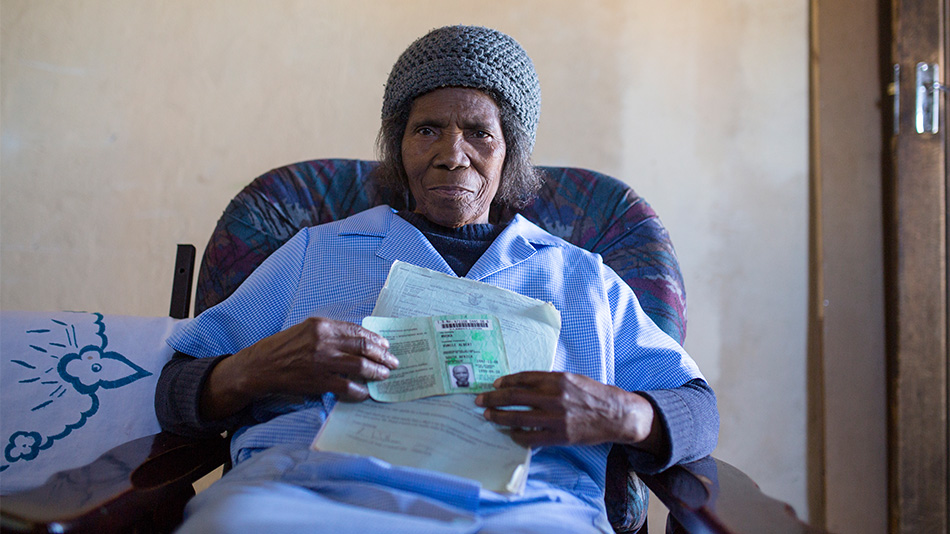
{"x": 586, "y": 208}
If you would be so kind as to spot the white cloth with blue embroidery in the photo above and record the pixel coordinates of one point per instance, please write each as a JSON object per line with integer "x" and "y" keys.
{"x": 72, "y": 386}
{"x": 336, "y": 270}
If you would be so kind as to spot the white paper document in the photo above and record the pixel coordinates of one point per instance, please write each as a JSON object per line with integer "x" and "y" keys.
{"x": 448, "y": 433}
{"x": 439, "y": 355}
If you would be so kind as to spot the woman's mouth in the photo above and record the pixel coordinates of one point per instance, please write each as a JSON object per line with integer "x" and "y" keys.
{"x": 450, "y": 191}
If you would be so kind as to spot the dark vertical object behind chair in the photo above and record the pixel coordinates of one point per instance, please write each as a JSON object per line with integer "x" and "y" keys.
{"x": 182, "y": 282}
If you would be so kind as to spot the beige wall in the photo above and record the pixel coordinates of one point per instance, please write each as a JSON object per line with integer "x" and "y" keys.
{"x": 127, "y": 126}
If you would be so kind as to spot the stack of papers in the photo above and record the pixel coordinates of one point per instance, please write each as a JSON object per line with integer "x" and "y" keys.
{"x": 439, "y": 429}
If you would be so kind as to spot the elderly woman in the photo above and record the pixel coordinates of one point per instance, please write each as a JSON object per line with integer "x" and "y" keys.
{"x": 460, "y": 112}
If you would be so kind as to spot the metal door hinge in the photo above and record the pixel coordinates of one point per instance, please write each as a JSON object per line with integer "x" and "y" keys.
{"x": 894, "y": 91}
{"x": 928, "y": 87}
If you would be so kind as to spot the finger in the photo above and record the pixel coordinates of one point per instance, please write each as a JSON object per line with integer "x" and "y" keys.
{"x": 357, "y": 366}
{"x": 536, "y": 438}
{"x": 515, "y": 397}
{"x": 352, "y": 339}
{"x": 368, "y": 347}
{"x": 354, "y": 330}
{"x": 524, "y": 379}
{"x": 346, "y": 390}
{"x": 519, "y": 418}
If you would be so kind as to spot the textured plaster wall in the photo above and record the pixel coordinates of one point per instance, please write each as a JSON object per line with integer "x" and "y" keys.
{"x": 127, "y": 126}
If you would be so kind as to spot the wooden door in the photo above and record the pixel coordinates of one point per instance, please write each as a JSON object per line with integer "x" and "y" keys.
{"x": 916, "y": 277}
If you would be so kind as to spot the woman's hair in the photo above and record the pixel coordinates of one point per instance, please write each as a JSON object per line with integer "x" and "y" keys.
{"x": 520, "y": 180}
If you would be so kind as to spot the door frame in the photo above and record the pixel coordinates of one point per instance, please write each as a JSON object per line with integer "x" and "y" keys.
{"x": 916, "y": 280}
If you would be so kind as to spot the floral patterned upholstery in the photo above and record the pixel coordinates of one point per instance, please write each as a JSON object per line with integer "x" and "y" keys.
{"x": 586, "y": 208}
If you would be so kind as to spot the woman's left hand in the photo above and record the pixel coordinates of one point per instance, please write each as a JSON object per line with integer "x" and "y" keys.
{"x": 569, "y": 409}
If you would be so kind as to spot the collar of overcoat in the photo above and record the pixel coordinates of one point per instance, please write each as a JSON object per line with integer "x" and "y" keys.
{"x": 400, "y": 240}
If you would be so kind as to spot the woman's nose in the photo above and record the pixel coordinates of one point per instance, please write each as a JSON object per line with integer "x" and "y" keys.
{"x": 451, "y": 153}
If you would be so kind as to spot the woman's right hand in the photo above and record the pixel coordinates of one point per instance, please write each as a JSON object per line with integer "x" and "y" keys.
{"x": 313, "y": 357}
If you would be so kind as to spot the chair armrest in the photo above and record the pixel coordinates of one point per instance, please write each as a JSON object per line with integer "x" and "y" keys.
{"x": 711, "y": 496}
{"x": 146, "y": 479}
{"x": 150, "y": 479}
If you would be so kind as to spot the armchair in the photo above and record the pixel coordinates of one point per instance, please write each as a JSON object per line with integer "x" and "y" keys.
{"x": 586, "y": 208}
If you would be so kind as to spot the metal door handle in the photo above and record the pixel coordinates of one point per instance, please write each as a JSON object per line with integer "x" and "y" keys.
{"x": 928, "y": 86}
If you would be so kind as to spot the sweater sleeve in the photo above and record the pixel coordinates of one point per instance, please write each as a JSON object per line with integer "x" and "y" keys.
{"x": 689, "y": 419}
{"x": 178, "y": 397}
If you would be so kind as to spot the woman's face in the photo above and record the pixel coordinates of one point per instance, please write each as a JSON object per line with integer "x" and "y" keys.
{"x": 453, "y": 151}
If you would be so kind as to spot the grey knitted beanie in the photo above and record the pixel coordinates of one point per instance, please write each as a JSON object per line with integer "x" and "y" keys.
{"x": 467, "y": 56}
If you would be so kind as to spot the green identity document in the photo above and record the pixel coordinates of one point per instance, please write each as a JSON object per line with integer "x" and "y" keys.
{"x": 439, "y": 355}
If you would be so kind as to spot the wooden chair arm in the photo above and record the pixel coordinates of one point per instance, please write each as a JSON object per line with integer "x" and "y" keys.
{"x": 711, "y": 496}
{"x": 145, "y": 480}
